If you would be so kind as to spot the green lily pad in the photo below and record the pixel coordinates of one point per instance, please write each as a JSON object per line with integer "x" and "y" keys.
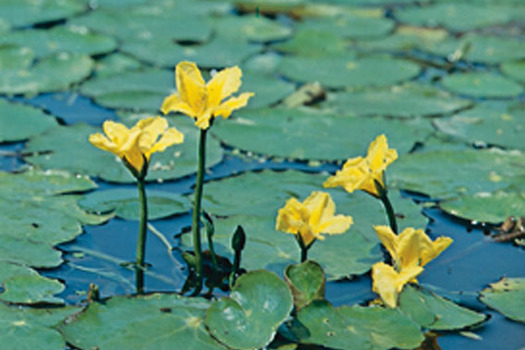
{"x": 248, "y": 319}
{"x": 19, "y": 122}
{"x": 268, "y": 89}
{"x": 482, "y": 85}
{"x": 21, "y": 13}
{"x": 218, "y": 53}
{"x": 506, "y": 296}
{"x": 514, "y": 70}
{"x": 156, "y": 321}
{"x": 30, "y": 289}
{"x": 306, "y": 281}
{"x": 55, "y": 73}
{"x": 125, "y": 203}
{"x": 45, "y": 42}
{"x": 403, "y": 101}
{"x": 483, "y": 125}
{"x": 68, "y": 148}
{"x": 32, "y": 328}
{"x": 314, "y": 42}
{"x": 492, "y": 207}
{"x": 15, "y": 57}
{"x": 481, "y": 48}
{"x": 458, "y": 17}
{"x": 291, "y": 133}
{"x": 133, "y": 90}
{"x": 250, "y": 28}
{"x": 349, "y": 72}
{"x": 449, "y": 173}
{"x": 436, "y": 313}
{"x": 116, "y": 63}
{"x": 246, "y": 200}
{"x": 358, "y": 327}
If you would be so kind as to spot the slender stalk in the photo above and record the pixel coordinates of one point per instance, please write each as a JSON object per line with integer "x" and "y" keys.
{"x": 389, "y": 212}
{"x": 304, "y": 254}
{"x": 195, "y": 227}
{"x": 141, "y": 242}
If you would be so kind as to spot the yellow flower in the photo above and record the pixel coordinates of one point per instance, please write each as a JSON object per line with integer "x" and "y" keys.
{"x": 411, "y": 247}
{"x": 388, "y": 283}
{"x": 312, "y": 218}
{"x": 133, "y": 145}
{"x": 361, "y": 173}
{"x": 204, "y": 101}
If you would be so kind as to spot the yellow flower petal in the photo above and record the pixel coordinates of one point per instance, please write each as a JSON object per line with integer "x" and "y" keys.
{"x": 191, "y": 86}
{"x": 222, "y": 85}
{"x": 171, "y": 137}
{"x": 173, "y": 103}
{"x": 438, "y": 246}
{"x": 232, "y": 104}
{"x": 388, "y": 238}
{"x": 388, "y": 283}
{"x": 100, "y": 141}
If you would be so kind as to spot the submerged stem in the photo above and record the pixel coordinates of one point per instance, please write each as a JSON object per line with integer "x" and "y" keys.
{"x": 195, "y": 227}
{"x": 141, "y": 242}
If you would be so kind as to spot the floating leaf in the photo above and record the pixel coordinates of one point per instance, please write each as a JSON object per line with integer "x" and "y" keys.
{"x": 15, "y": 57}
{"x": 248, "y": 319}
{"x": 251, "y": 28}
{"x": 30, "y": 289}
{"x": 125, "y": 203}
{"x": 20, "y": 122}
{"x": 358, "y": 327}
{"x": 21, "y": 13}
{"x": 156, "y": 321}
{"x": 482, "y": 85}
{"x": 347, "y": 71}
{"x": 313, "y": 43}
{"x": 268, "y": 89}
{"x": 434, "y": 312}
{"x": 306, "y": 281}
{"x": 404, "y": 101}
{"x": 291, "y": 133}
{"x": 68, "y": 148}
{"x": 448, "y": 173}
{"x": 406, "y": 38}
{"x": 487, "y": 207}
{"x": 32, "y": 328}
{"x": 45, "y": 42}
{"x": 514, "y": 70}
{"x": 116, "y": 63}
{"x": 486, "y": 126}
{"x": 506, "y": 296}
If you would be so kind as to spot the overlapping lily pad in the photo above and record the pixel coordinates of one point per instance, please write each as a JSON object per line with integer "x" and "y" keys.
{"x": 291, "y": 133}
{"x": 406, "y": 38}
{"x": 514, "y": 70}
{"x": 252, "y": 200}
{"x": 20, "y": 13}
{"x": 125, "y": 203}
{"x": 268, "y": 89}
{"x": 45, "y": 42}
{"x": 251, "y": 28}
{"x": 156, "y": 321}
{"x": 116, "y": 63}
{"x": 348, "y": 71}
{"x": 486, "y": 85}
{"x": 306, "y": 281}
{"x": 57, "y": 72}
{"x": 68, "y": 148}
{"x": 358, "y": 327}
{"x": 434, "y": 312}
{"x": 483, "y": 125}
{"x": 314, "y": 43}
{"x": 20, "y": 122}
{"x": 489, "y": 207}
{"x": 32, "y": 328}
{"x": 507, "y": 296}
{"x": 410, "y": 100}
{"x": 448, "y": 173}
{"x": 248, "y": 319}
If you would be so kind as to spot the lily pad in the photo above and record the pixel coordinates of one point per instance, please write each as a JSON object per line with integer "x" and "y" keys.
{"x": 489, "y": 207}
{"x": 291, "y": 133}
{"x": 482, "y": 85}
{"x": 348, "y": 71}
{"x": 31, "y": 289}
{"x": 15, "y": 57}
{"x": 45, "y": 42}
{"x": 268, "y": 89}
{"x": 514, "y": 70}
{"x": 116, "y": 63}
{"x": 156, "y": 321}
{"x": 57, "y": 72}
{"x": 246, "y": 200}
{"x": 68, "y": 148}
{"x": 125, "y": 203}
{"x": 32, "y": 328}
{"x": 458, "y": 17}
{"x": 358, "y": 327}
{"x": 410, "y": 100}
{"x": 248, "y": 319}
{"x": 21, "y": 13}
{"x": 306, "y": 281}
{"x": 486, "y": 126}
{"x": 449, "y": 173}
{"x": 506, "y": 296}
{"x": 314, "y": 43}
{"x": 252, "y": 28}
{"x": 436, "y": 313}
{"x": 19, "y": 122}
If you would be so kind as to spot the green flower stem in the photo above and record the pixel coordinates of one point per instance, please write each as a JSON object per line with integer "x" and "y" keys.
{"x": 141, "y": 242}
{"x": 304, "y": 248}
{"x": 389, "y": 211}
{"x": 304, "y": 254}
{"x": 195, "y": 227}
